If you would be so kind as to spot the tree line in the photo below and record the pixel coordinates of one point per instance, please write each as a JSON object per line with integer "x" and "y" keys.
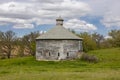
{"x": 97, "y": 41}
{"x": 26, "y": 45}
{"x": 10, "y": 43}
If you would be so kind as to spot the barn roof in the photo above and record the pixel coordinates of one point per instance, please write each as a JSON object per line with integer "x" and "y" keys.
{"x": 59, "y": 32}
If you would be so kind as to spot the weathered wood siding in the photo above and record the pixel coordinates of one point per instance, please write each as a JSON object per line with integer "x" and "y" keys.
{"x": 57, "y": 49}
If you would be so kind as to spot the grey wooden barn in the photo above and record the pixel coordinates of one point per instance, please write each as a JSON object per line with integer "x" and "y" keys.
{"x": 58, "y": 43}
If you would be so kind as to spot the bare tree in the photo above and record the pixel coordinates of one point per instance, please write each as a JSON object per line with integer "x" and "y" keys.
{"x": 98, "y": 38}
{"x": 29, "y": 42}
{"x": 7, "y": 42}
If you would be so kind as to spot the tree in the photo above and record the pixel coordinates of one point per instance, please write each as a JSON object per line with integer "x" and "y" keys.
{"x": 88, "y": 42}
{"x": 1, "y": 53}
{"x": 29, "y": 42}
{"x": 98, "y": 38}
{"x": 7, "y": 42}
{"x": 21, "y": 47}
{"x": 115, "y": 34}
{"x": 107, "y": 43}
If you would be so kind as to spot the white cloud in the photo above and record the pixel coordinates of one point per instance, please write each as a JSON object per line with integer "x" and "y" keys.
{"x": 107, "y": 37}
{"x": 79, "y": 25}
{"x": 13, "y": 20}
{"x": 112, "y": 17}
{"x": 22, "y": 12}
{"x": 21, "y": 26}
{"x": 111, "y": 21}
{"x": 108, "y": 10}
{"x": 46, "y": 11}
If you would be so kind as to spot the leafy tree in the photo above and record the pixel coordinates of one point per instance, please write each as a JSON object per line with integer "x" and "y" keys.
{"x": 7, "y": 42}
{"x": 115, "y": 34}
{"x": 29, "y": 42}
{"x": 88, "y": 42}
{"x": 107, "y": 43}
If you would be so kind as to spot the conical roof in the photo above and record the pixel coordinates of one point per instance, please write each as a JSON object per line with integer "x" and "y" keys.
{"x": 59, "y": 32}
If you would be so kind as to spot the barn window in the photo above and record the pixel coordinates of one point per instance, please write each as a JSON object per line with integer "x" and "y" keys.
{"x": 67, "y": 54}
{"x": 58, "y": 54}
{"x": 49, "y": 54}
{"x": 41, "y": 52}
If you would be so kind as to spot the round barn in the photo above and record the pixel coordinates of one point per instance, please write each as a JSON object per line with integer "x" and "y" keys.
{"x": 58, "y": 44}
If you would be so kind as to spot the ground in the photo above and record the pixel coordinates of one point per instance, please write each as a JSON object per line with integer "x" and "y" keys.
{"x": 27, "y": 68}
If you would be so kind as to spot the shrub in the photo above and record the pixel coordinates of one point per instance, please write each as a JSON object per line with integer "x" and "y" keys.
{"x": 89, "y": 58}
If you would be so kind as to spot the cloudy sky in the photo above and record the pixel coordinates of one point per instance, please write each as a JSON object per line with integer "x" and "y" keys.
{"x": 24, "y": 16}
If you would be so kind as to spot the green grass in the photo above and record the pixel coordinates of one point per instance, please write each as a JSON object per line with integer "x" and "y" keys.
{"x": 27, "y": 68}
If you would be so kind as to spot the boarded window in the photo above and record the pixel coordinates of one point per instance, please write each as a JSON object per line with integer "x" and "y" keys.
{"x": 49, "y": 54}
{"x": 41, "y": 52}
{"x": 58, "y": 54}
{"x": 67, "y": 54}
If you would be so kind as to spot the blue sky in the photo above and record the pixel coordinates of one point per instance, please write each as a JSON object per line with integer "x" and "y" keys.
{"x": 25, "y": 16}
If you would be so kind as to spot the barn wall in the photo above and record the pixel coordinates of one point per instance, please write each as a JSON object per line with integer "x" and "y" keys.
{"x": 57, "y": 49}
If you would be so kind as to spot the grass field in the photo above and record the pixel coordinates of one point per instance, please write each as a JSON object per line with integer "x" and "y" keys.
{"x": 27, "y": 68}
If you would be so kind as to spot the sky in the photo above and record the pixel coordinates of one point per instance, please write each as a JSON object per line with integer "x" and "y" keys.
{"x": 25, "y": 16}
